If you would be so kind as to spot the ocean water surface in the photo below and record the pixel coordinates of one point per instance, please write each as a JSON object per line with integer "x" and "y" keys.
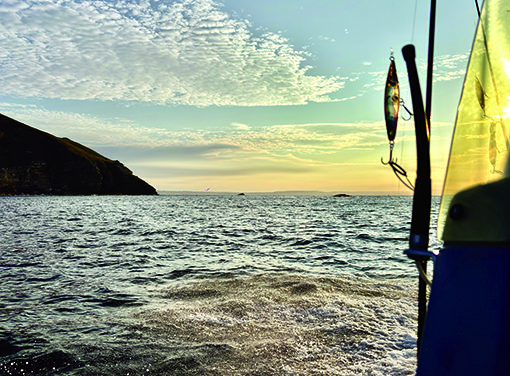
{"x": 207, "y": 285}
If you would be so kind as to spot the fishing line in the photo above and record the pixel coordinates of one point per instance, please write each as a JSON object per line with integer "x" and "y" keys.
{"x": 401, "y": 158}
{"x": 477, "y": 9}
{"x": 399, "y": 171}
{"x": 414, "y": 21}
{"x": 403, "y": 144}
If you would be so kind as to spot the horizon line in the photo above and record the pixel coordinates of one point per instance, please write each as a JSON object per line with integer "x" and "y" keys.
{"x": 286, "y": 192}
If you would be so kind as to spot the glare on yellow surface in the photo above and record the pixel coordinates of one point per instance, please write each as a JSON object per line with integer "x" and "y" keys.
{"x": 480, "y": 145}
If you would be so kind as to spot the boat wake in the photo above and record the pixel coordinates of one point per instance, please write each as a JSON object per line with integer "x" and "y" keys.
{"x": 282, "y": 325}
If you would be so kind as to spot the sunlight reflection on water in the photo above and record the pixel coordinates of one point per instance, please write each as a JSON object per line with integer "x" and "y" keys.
{"x": 189, "y": 285}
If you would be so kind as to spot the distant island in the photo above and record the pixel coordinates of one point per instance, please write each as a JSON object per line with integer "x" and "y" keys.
{"x": 33, "y": 162}
{"x": 342, "y": 195}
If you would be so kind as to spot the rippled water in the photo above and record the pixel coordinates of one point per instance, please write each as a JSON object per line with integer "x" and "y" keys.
{"x": 206, "y": 285}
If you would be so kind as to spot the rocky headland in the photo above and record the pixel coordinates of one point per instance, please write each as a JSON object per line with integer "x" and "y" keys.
{"x": 33, "y": 162}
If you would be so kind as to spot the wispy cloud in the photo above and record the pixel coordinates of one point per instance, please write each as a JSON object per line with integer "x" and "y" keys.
{"x": 139, "y": 142}
{"x": 154, "y": 155}
{"x": 449, "y": 67}
{"x": 189, "y": 52}
{"x": 179, "y": 171}
{"x": 241, "y": 126}
{"x": 326, "y": 38}
{"x": 446, "y": 68}
{"x": 84, "y": 128}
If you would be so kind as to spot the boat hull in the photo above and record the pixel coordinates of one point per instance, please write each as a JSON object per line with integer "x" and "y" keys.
{"x": 467, "y": 329}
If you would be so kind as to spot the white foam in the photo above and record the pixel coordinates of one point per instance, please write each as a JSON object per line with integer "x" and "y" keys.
{"x": 339, "y": 327}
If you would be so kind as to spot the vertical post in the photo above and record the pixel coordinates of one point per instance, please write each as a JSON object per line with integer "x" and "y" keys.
{"x": 420, "y": 222}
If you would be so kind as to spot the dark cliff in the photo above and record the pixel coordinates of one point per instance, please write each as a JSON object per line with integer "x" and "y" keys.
{"x": 36, "y": 162}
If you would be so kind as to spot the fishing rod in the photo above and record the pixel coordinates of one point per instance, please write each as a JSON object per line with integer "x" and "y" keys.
{"x": 422, "y": 199}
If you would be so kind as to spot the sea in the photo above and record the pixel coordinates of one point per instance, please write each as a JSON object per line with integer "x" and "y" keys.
{"x": 199, "y": 284}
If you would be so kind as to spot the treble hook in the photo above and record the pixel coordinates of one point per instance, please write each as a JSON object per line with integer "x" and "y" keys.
{"x": 399, "y": 171}
{"x": 402, "y": 103}
{"x": 390, "y": 160}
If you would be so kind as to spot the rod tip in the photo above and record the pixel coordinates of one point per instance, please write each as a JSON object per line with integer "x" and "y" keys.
{"x": 409, "y": 52}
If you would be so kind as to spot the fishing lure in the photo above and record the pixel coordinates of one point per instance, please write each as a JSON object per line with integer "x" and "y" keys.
{"x": 392, "y": 103}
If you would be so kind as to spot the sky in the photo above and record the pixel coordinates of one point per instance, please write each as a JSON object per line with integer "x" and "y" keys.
{"x": 234, "y": 95}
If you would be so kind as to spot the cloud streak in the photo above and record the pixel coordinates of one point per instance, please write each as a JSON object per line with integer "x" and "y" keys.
{"x": 188, "y": 52}
{"x": 175, "y": 171}
{"x": 273, "y": 143}
{"x": 450, "y": 67}
{"x": 446, "y": 68}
